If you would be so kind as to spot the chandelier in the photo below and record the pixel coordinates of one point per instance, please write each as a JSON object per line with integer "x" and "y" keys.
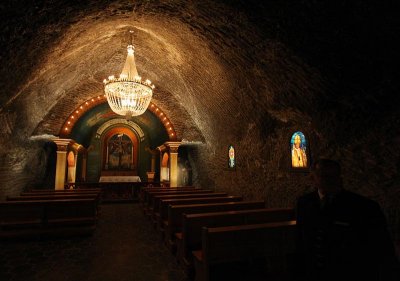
{"x": 128, "y": 94}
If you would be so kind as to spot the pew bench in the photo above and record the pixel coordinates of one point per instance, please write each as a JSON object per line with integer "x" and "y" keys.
{"x": 146, "y": 194}
{"x": 157, "y": 199}
{"x": 148, "y": 208}
{"x": 146, "y": 190}
{"x": 175, "y": 215}
{"x": 66, "y": 190}
{"x": 149, "y": 195}
{"x": 166, "y": 200}
{"x": 239, "y": 248}
{"x": 190, "y": 238}
{"x": 202, "y": 200}
{"x": 38, "y": 218}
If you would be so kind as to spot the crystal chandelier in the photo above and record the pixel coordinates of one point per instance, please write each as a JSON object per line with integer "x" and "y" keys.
{"x": 128, "y": 94}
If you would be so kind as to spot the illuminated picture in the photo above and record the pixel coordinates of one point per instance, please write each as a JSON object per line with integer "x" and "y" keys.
{"x": 119, "y": 152}
{"x": 231, "y": 152}
{"x": 299, "y": 145}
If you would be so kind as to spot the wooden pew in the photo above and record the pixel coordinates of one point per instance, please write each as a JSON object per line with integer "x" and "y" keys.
{"x": 159, "y": 198}
{"x": 51, "y": 197}
{"x": 66, "y": 190}
{"x": 148, "y": 202}
{"x": 161, "y": 211}
{"x": 148, "y": 207}
{"x": 175, "y": 212}
{"x": 201, "y": 200}
{"x": 190, "y": 238}
{"x": 37, "y": 218}
{"x": 146, "y": 194}
{"x": 60, "y": 193}
{"x": 144, "y": 190}
{"x": 273, "y": 243}
{"x": 58, "y": 196}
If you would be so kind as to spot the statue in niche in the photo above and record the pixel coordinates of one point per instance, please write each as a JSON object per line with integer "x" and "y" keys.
{"x": 299, "y": 146}
{"x": 119, "y": 152}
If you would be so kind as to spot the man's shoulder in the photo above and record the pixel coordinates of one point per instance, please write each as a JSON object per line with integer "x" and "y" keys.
{"x": 360, "y": 200}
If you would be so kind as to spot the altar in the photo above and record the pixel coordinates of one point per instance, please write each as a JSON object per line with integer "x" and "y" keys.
{"x": 119, "y": 179}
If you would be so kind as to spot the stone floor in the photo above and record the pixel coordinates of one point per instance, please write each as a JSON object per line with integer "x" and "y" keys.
{"x": 123, "y": 247}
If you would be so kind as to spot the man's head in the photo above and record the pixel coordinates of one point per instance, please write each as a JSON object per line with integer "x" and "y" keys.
{"x": 297, "y": 141}
{"x": 327, "y": 178}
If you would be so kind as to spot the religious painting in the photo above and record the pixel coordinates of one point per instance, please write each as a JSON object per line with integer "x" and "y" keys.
{"x": 298, "y": 145}
{"x": 119, "y": 152}
{"x": 231, "y": 157}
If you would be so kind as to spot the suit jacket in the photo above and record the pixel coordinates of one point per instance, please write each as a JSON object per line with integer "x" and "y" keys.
{"x": 342, "y": 239}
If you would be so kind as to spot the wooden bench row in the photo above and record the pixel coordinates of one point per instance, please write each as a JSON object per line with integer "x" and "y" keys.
{"x": 38, "y": 218}
{"x": 244, "y": 231}
{"x": 41, "y": 213}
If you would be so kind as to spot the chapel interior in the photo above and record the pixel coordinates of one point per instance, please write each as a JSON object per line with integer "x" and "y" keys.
{"x": 241, "y": 86}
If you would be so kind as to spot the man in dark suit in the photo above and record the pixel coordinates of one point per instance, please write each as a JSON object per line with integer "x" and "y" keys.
{"x": 341, "y": 235}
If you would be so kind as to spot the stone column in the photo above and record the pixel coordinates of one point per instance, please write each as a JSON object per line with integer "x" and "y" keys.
{"x": 173, "y": 163}
{"x": 61, "y": 165}
{"x": 161, "y": 148}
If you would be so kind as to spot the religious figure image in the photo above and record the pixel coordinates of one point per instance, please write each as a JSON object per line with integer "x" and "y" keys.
{"x": 231, "y": 157}
{"x": 119, "y": 152}
{"x": 299, "y": 146}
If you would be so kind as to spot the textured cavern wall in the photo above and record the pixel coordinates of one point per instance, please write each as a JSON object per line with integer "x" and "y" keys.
{"x": 247, "y": 73}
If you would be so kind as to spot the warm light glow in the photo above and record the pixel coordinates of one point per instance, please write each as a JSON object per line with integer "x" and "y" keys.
{"x": 77, "y": 111}
{"x": 72, "y": 117}
{"x": 128, "y": 94}
{"x": 69, "y": 122}
{"x": 81, "y": 107}
{"x": 66, "y": 129}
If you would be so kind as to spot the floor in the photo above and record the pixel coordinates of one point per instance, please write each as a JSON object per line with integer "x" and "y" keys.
{"x": 123, "y": 247}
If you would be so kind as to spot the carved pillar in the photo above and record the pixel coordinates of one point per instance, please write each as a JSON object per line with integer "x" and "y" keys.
{"x": 162, "y": 148}
{"x": 61, "y": 165}
{"x": 173, "y": 162}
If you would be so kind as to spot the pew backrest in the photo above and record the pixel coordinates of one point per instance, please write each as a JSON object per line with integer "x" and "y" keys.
{"x": 51, "y": 197}
{"x": 192, "y": 224}
{"x": 257, "y": 240}
{"x": 152, "y": 195}
{"x": 274, "y": 241}
{"x": 175, "y": 212}
{"x": 166, "y": 200}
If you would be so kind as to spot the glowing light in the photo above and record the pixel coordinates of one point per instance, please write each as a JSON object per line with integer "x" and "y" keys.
{"x": 128, "y": 95}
